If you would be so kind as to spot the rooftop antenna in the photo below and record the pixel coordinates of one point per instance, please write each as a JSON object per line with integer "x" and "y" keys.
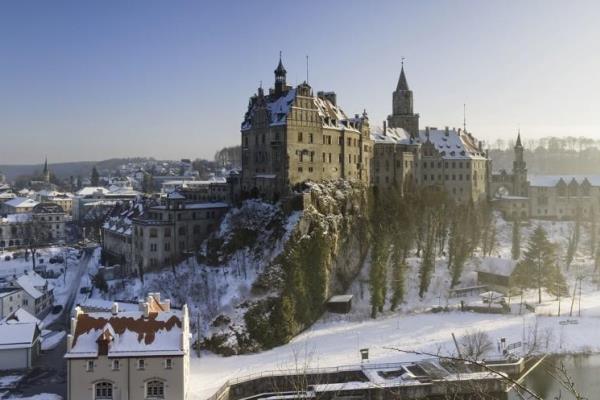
{"x": 307, "y": 68}
{"x": 464, "y": 117}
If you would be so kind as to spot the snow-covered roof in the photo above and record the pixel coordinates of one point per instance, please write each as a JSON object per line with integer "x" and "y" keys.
{"x": 552, "y": 180}
{"x": 90, "y": 190}
{"x": 129, "y": 333}
{"x": 340, "y": 298}
{"x": 7, "y": 195}
{"x": 18, "y": 335}
{"x": 20, "y": 315}
{"x": 452, "y": 143}
{"x": 21, "y": 202}
{"x": 31, "y": 283}
{"x": 392, "y": 135}
{"x": 278, "y": 108}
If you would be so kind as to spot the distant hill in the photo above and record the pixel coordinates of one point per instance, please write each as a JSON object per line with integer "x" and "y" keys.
{"x": 64, "y": 170}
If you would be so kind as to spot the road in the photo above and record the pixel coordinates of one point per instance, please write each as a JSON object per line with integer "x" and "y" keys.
{"x": 62, "y": 323}
{"x": 50, "y": 372}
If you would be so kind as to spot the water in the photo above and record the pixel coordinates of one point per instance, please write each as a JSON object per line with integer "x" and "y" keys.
{"x": 583, "y": 369}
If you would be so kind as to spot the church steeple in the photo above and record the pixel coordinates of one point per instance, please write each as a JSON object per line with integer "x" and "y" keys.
{"x": 402, "y": 107}
{"x": 280, "y": 74}
{"x": 519, "y": 139}
{"x": 402, "y": 83}
{"x": 46, "y": 172}
{"x": 519, "y": 169}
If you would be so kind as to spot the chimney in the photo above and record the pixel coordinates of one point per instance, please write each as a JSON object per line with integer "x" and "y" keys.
{"x": 427, "y": 131}
{"x": 73, "y": 325}
{"x": 166, "y": 305}
{"x": 114, "y": 310}
{"x": 69, "y": 342}
{"x": 480, "y": 145}
{"x": 446, "y": 131}
{"x": 384, "y": 128}
{"x": 146, "y": 310}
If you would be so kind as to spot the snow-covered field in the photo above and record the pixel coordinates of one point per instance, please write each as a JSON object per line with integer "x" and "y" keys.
{"x": 336, "y": 339}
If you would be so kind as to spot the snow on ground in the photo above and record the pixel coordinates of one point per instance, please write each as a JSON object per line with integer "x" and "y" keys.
{"x": 64, "y": 285}
{"x": 336, "y": 339}
{"x": 17, "y": 264}
{"x": 43, "y": 396}
{"x": 213, "y": 290}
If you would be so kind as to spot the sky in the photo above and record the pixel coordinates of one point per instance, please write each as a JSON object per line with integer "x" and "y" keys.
{"x": 91, "y": 80}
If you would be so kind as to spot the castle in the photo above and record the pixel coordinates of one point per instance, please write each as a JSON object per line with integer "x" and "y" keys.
{"x": 290, "y": 136}
{"x": 519, "y": 196}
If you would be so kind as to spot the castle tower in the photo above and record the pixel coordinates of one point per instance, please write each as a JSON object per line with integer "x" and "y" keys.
{"x": 519, "y": 169}
{"x": 402, "y": 107}
{"x": 280, "y": 73}
{"x": 46, "y": 171}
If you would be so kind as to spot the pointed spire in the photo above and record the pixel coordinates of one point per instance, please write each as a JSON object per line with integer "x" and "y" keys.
{"x": 519, "y": 139}
{"x": 402, "y": 84}
{"x": 280, "y": 69}
{"x": 46, "y": 165}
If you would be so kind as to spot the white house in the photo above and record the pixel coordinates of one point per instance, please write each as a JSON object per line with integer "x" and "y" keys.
{"x": 129, "y": 355}
{"x": 19, "y": 340}
{"x": 37, "y": 295}
{"x": 10, "y": 300}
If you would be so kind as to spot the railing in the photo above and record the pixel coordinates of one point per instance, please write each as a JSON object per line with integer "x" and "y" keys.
{"x": 310, "y": 371}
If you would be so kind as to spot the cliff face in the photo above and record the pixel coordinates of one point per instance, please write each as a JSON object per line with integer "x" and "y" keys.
{"x": 324, "y": 253}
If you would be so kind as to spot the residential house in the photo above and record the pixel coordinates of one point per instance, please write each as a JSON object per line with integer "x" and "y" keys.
{"x": 129, "y": 355}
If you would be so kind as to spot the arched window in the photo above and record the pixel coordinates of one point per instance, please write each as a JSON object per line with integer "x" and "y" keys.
{"x": 155, "y": 390}
{"x": 103, "y": 391}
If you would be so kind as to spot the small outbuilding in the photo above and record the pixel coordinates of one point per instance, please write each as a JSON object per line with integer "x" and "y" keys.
{"x": 341, "y": 304}
{"x": 19, "y": 340}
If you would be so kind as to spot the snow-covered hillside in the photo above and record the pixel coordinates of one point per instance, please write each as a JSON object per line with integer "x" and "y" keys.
{"x": 336, "y": 338}
{"x": 219, "y": 283}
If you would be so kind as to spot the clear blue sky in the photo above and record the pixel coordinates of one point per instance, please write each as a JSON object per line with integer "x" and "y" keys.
{"x": 89, "y": 80}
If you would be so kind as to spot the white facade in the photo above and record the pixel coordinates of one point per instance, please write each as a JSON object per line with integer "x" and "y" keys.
{"x": 129, "y": 355}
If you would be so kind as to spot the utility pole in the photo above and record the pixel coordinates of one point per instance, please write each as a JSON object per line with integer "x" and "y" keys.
{"x": 198, "y": 334}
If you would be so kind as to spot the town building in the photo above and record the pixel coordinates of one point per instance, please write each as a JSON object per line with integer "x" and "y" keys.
{"x": 291, "y": 135}
{"x": 20, "y": 340}
{"x": 44, "y": 223}
{"x": 18, "y": 205}
{"x": 129, "y": 355}
{"x": 98, "y": 200}
{"x": 11, "y": 299}
{"x": 217, "y": 189}
{"x": 520, "y": 196}
{"x": 117, "y": 242}
{"x": 36, "y": 293}
{"x": 165, "y": 234}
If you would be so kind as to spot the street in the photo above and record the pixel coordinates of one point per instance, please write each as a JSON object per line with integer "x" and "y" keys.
{"x": 50, "y": 372}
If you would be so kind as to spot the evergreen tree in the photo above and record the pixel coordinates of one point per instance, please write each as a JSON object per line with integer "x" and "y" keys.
{"x": 538, "y": 268}
{"x": 516, "y": 239}
{"x": 95, "y": 178}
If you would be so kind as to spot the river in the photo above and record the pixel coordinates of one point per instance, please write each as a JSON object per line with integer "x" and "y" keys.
{"x": 583, "y": 369}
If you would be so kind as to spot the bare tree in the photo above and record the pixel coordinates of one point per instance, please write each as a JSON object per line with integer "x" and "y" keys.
{"x": 475, "y": 344}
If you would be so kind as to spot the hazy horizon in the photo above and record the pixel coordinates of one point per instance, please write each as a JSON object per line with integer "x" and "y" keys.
{"x": 94, "y": 81}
